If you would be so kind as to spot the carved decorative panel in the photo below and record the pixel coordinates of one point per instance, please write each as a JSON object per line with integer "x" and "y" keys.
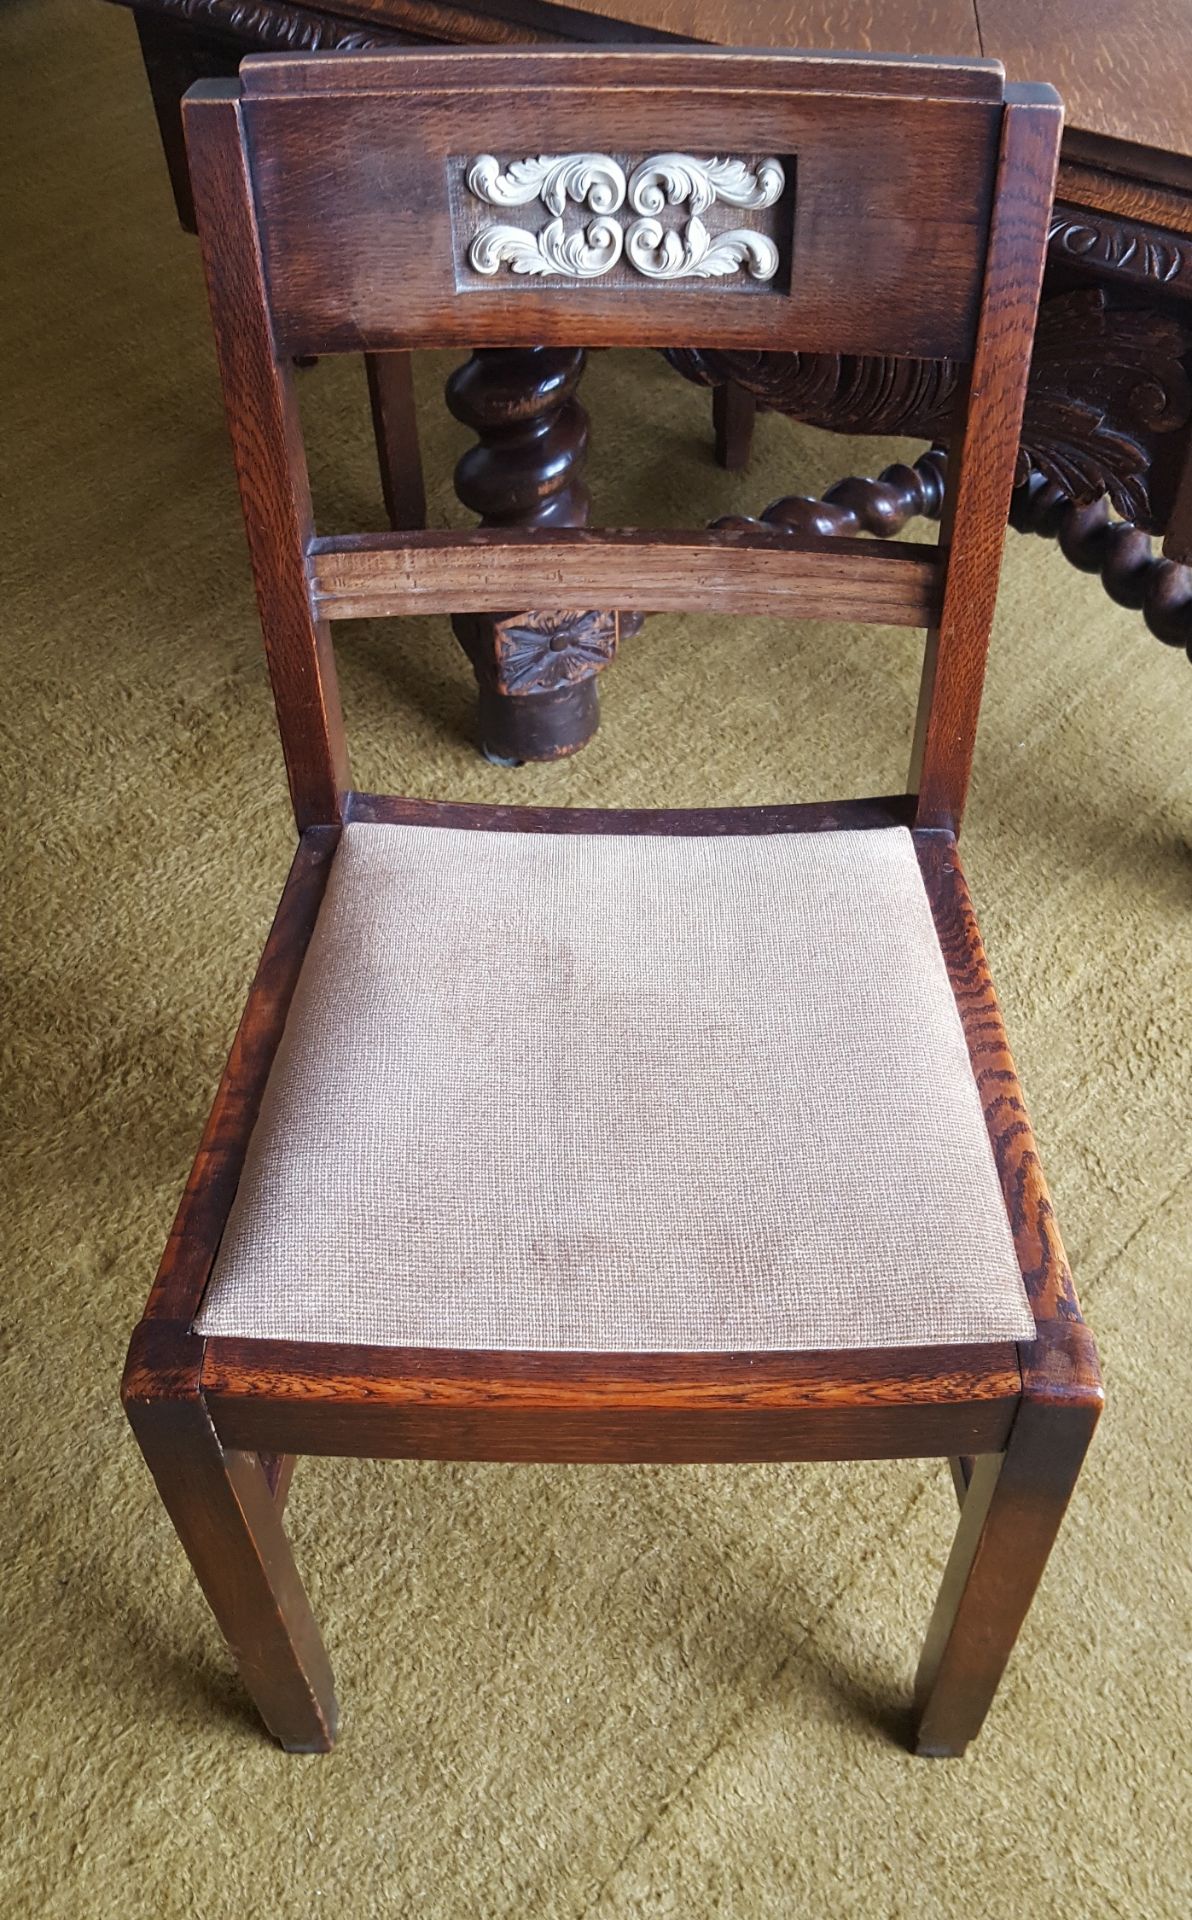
{"x": 578, "y": 217}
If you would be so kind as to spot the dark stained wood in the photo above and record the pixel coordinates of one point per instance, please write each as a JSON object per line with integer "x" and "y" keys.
{"x": 961, "y": 1468}
{"x": 1044, "y": 1264}
{"x": 860, "y": 505}
{"x": 527, "y": 471}
{"x": 1123, "y": 218}
{"x": 1122, "y": 71}
{"x": 1108, "y": 393}
{"x": 928, "y": 27}
{"x": 266, "y": 444}
{"x": 1012, "y": 1501}
{"x": 1011, "y": 1514}
{"x": 229, "y": 1522}
{"x": 203, "y": 1210}
{"x": 840, "y": 68}
{"x": 385, "y": 1403}
{"x": 278, "y": 1469}
{"x": 733, "y": 412}
{"x": 891, "y": 214}
{"x": 395, "y": 426}
{"x": 362, "y": 576}
{"x": 175, "y": 56}
{"x": 1119, "y": 552}
{"x": 982, "y": 462}
{"x": 1094, "y": 194}
{"x": 818, "y": 816}
{"x": 1177, "y": 545}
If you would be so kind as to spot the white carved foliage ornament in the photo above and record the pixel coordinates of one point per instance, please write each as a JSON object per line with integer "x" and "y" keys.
{"x": 597, "y": 182}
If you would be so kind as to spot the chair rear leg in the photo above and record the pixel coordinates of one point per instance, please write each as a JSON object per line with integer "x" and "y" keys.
{"x": 229, "y": 1521}
{"x": 395, "y": 427}
{"x": 733, "y": 414}
{"x": 1011, "y": 1509}
{"x": 279, "y": 1471}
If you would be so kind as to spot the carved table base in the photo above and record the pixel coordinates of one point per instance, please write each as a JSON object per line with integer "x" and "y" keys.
{"x": 1123, "y": 554}
{"x": 1132, "y": 574}
{"x": 535, "y": 671}
{"x": 1106, "y": 422}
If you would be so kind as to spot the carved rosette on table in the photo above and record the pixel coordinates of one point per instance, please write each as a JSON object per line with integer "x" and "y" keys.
{"x": 596, "y": 215}
{"x": 540, "y": 652}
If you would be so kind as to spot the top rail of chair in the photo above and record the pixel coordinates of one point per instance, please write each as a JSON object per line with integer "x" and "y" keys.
{"x": 765, "y": 201}
{"x": 904, "y": 76}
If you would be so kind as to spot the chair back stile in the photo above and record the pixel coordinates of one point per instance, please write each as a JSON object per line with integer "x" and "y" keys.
{"x": 352, "y": 202}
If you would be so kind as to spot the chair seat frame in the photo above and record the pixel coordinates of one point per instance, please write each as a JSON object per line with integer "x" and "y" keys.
{"x": 1016, "y": 1421}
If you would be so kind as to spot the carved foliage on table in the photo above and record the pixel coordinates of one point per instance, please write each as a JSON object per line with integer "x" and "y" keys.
{"x": 1106, "y": 383}
{"x": 602, "y": 185}
{"x": 664, "y": 254}
{"x": 841, "y": 392}
{"x": 275, "y": 24}
{"x": 1123, "y": 248}
{"x": 537, "y": 652}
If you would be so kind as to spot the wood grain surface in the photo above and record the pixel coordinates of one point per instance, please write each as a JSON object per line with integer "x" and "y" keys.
{"x": 880, "y": 242}
{"x": 262, "y": 416}
{"x": 870, "y": 26}
{"x": 365, "y": 576}
{"x": 1124, "y": 67}
{"x": 211, "y": 1188}
{"x": 983, "y": 460}
{"x": 420, "y": 1403}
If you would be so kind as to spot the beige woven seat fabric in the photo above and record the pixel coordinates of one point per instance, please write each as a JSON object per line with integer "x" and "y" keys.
{"x": 612, "y": 1093}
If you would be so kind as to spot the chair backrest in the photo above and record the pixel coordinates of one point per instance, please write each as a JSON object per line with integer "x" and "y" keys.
{"x": 351, "y": 202}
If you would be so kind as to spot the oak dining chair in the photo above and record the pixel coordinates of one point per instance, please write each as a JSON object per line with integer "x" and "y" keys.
{"x": 563, "y": 1135}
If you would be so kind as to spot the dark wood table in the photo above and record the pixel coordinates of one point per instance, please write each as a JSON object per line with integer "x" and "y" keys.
{"x": 1105, "y": 461}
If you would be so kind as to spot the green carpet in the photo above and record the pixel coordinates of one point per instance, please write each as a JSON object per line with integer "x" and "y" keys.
{"x": 568, "y": 1692}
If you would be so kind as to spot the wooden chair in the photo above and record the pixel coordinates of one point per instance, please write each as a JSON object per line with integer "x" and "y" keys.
{"x": 745, "y": 1194}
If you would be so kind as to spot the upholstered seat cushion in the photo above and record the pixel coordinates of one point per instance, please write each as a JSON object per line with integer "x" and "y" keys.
{"x": 612, "y": 1093}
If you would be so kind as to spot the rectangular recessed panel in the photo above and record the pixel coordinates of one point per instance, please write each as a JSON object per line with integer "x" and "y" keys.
{"x": 606, "y": 1093}
{"x": 368, "y": 223}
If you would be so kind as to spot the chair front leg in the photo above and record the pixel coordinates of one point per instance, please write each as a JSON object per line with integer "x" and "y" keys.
{"x": 229, "y": 1521}
{"x": 1011, "y": 1510}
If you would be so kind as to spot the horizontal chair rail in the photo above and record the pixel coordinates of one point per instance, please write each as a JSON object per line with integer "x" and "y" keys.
{"x": 391, "y": 1403}
{"x": 366, "y": 576}
{"x": 815, "y": 816}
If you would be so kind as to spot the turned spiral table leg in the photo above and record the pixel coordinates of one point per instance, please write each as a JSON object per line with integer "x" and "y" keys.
{"x": 1131, "y": 572}
{"x": 535, "y": 670}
